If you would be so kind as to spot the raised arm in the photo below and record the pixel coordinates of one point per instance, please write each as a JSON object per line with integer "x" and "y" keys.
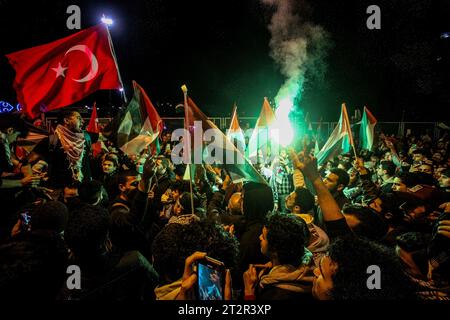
{"x": 308, "y": 165}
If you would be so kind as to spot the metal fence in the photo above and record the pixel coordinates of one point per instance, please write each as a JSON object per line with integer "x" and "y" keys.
{"x": 396, "y": 128}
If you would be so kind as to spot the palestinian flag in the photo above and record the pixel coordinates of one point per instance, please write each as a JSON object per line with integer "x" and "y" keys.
{"x": 141, "y": 124}
{"x": 366, "y": 133}
{"x": 260, "y": 139}
{"x": 235, "y": 133}
{"x": 336, "y": 141}
{"x": 218, "y": 152}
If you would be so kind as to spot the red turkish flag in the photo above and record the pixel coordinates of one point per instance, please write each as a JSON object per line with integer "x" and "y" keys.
{"x": 93, "y": 121}
{"x": 57, "y": 74}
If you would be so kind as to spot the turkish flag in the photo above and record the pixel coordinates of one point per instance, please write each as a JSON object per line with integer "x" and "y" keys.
{"x": 98, "y": 146}
{"x": 57, "y": 74}
{"x": 93, "y": 121}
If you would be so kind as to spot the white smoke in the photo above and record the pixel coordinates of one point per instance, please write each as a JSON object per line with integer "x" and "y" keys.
{"x": 298, "y": 47}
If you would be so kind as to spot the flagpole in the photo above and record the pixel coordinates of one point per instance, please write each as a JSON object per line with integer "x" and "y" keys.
{"x": 111, "y": 46}
{"x": 184, "y": 88}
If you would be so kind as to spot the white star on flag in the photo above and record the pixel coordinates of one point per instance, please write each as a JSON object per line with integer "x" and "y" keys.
{"x": 60, "y": 70}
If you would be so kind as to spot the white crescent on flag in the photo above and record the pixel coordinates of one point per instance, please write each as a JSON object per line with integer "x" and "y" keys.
{"x": 92, "y": 58}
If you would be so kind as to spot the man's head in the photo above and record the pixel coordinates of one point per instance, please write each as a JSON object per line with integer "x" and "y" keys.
{"x": 234, "y": 204}
{"x": 388, "y": 156}
{"x": 353, "y": 176}
{"x": 165, "y": 137}
{"x": 92, "y": 192}
{"x": 418, "y": 155}
{"x": 70, "y": 192}
{"x": 127, "y": 182}
{"x": 177, "y": 188}
{"x": 257, "y": 201}
{"x": 386, "y": 169}
{"x": 179, "y": 171}
{"x": 175, "y": 242}
{"x": 403, "y": 181}
{"x": 300, "y": 201}
{"x": 87, "y": 230}
{"x": 413, "y": 208}
{"x": 110, "y": 163}
{"x": 437, "y": 157}
{"x": 52, "y": 215}
{"x": 365, "y": 222}
{"x": 161, "y": 165}
{"x": 444, "y": 180}
{"x": 184, "y": 205}
{"x": 72, "y": 120}
{"x": 336, "y": 180}
{"x": 13, "y": 126}
{"x": 374, "y": 159}
{"x": 411, "y": 248}
{"x": 347, "y": 157}
{"x": 344, "y": 165}
{"x": 426, "y": 167}
{"x": 343, "y": 273}
{"x": 283, "y": 239}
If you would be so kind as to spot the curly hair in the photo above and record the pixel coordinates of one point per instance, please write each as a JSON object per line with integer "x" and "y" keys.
{"x": 371, "y": 225}
{"x": 305, "y": 199}
{"x": 176, "y": 242}
{"x": 353, "y": 256}
{"x": 257, "y": 201}
{"x": 343, "y": 177}
{"x": 287, "y": 236}
{"x": 87, "y": 230}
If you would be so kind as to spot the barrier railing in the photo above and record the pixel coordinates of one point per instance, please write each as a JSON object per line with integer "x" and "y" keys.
{"x": 396, "y": 128}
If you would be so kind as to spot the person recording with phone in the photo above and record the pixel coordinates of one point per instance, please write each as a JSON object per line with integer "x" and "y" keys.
{"x": 289, "y": 274}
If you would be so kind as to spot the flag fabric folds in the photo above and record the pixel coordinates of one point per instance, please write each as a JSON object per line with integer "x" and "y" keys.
{"x": 141, "y": 124}
{"x": 93, "y": 121}
{"x": 347, "y": 141}
{"x": 235, "y": 133}
{"x": 366, "y": 134}
{"x": 60, "y": 73}
{"x": 260, "y": 139}
{"x": 335, "y": 142}
{"x": 93, "y": 127}
{"x": 239, "y": 169}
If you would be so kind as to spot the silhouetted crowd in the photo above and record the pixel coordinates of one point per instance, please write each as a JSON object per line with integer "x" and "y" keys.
{"x": 370, "y": 226}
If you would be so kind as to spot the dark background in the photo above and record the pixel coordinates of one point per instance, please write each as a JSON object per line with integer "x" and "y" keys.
{"x": 220, "y": 49}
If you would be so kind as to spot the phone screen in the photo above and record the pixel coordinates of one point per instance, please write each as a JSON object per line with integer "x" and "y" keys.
{"x": 210, "y": 281}
{"x": 25, "y": 219}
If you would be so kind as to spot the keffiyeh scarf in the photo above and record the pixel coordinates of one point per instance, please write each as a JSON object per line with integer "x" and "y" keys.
{"x": 73, "y": 145}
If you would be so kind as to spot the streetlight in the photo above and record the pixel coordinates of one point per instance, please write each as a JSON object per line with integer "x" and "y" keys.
{"x": 107, "y": 21}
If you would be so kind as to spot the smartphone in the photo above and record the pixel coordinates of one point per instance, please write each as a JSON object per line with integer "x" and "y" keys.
{"x": 25, "y": 218}
{"x": 210, "y": 279}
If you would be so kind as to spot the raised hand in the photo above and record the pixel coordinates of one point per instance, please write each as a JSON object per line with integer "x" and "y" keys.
{"x": 189, "y": 276}
{"x": 306, "y": 163}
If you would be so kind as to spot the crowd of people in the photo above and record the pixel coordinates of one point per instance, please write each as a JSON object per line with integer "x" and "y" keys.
{"x": 374, "y": 225}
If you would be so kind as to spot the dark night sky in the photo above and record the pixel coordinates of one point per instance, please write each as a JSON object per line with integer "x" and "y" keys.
{"x": 221, "y": 51}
